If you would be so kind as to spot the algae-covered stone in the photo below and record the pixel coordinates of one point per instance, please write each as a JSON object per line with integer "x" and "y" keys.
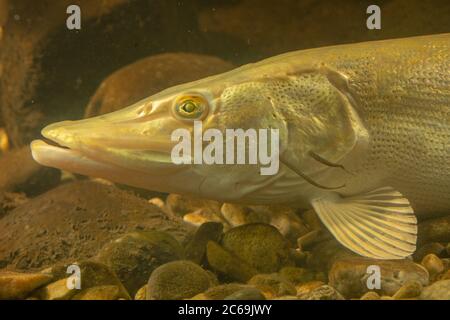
{"x": 101, "y": 293}
{"x": 135, "y": 255}
{"x": 440, "y": 290}
{"x": 228, "y": 264}
{"x": 178, "y": 280}
{"x": 349, "y": 276}
{"x": 195, "y": 250}
{"x": 260, "y": 245}
{"x": 92, "y": 274}
{"x": 325, "y": 253}
{"x": 324, "y": 292}
{"x": 272, "y": 285}
{"x": 14, "y": 285}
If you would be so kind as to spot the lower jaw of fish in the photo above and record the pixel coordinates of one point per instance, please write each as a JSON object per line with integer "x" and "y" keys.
{"x": 53, "y": 155}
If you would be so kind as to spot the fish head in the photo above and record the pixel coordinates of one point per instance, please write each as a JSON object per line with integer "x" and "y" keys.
{"x": 134, "y": 145}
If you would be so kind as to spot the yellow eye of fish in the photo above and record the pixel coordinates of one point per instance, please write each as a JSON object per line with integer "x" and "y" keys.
{"x": 191, "y": 107}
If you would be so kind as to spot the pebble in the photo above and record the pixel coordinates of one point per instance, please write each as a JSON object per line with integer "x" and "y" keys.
{"x": 349, "y": 276}
{"x": 440, "y": 290}
{"x": 178, "y": 280}
{"x": 133, "y": 256}
{"x": 433, "y": 264}
{"x": 272, "y": 285}
{"x": 101, "y": 293}
{"x": 410, "y": 289}
{"x": 220, "y": 292}
{"x": 307, "y": 287}
{"x": 324, "y": 292}
{"x": 370, "y": 295}
{"x": 246, "y": 294}
{"x": 15, "y": 285}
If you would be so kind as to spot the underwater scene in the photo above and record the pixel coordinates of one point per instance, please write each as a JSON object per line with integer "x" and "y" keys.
{"x": 224, "y": 150}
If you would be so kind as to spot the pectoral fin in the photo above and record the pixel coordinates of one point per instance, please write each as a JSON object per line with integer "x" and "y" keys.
{"x": 380, "y": 224}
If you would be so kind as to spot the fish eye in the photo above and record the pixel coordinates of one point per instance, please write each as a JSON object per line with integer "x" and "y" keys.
{"x": 190, "y": 107}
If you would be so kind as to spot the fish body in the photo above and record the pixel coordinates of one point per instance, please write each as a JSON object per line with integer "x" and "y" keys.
{"x": 364, "y": 135}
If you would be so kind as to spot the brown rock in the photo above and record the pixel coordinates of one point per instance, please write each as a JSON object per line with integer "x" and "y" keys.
{"x": 57, "y": 290}
{"x": 14, "y": 285}
{"x": 371, "y": 295}
{"x": 410, "y": 289}
{"x": 324, "y": 292}
{"x": 273, "y": 285}
{"x": 73, "y": 221}
{"x": 221, "y": 292}
{"x": 20, "y": 173}
{"x": 440, "y": 290}
{"x": 151, "y": 75}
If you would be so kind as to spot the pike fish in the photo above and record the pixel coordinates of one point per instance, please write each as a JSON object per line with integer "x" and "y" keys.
{"x": 364, "y": 138}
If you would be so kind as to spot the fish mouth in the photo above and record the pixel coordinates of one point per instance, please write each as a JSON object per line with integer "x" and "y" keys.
{"x": 104, "y": 150}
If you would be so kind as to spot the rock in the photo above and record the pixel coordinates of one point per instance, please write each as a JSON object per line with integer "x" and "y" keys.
{"x": 151, "y": 75}
{"x": 228, "y": 264}
{"x": 237, "y": 215}
{"x": 299, "y": 275}
{"x": 179, "y": 205}
{"x": 272, "y": 285}
{"x": 222, "y": 291}
{"x": 14, "y": 285}
{"x": 134, "y": 256}
{"x": 325, "y": 253}
{"x": 195, "y": 250}
{"x": 201, "y": 216}
{"x": 260, "y": 245}
{"x": 433, "y": 247}
{"x": 440, "y": 290}
{"x": 101, "y": 293}
{"x": 10, "y": 201}
{"x": 57, "y": 290}
{"x": 92, "y": 274}
{"x": 141, "y": 294}
{"x": 370, "y": 295}
{"x": 433, "y": 264}
{"x": 349, "y": 276}
{"x": 73, "y": 222}
{"x": 20, "y": 173}
{"x": 434, "y": 230}
{"x": 246, "y": 294}
{"x": 324, "y": 292}
{"x": 178, "y": 280}
{"x": 307, "y": 287}
{"x": 410, "y": 289}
